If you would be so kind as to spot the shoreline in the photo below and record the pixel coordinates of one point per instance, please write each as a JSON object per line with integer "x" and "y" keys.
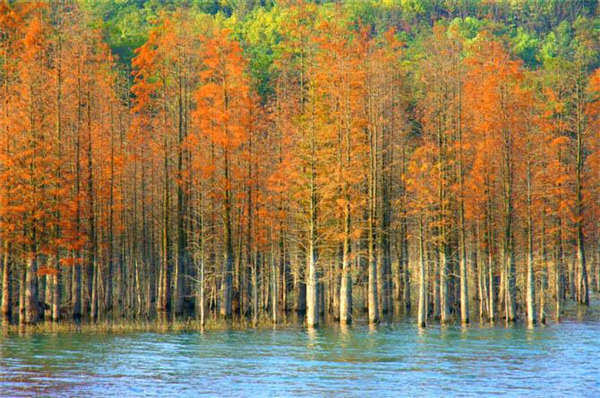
{"x": 572, "y": 313}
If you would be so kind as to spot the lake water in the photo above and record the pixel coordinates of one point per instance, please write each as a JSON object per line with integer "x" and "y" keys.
{"x": 558, "y": 360}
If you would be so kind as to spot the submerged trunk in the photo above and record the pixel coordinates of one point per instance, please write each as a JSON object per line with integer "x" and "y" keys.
{"x": 312, "y": 310}
{"x": 531, "y": 315}
{"x": 56, "y": 293}
{"x": 508, "y": 239}
{"x": 444, "y": 302}
{"x": 31, "y": 293}
{"x": 372, "y": 283}
{"x": 76, "y": 291}
{"x": 582, "y": 281}
{"x": 422, "y": 307}
{"x": 6, "y": 309}
{"x": 227, "y": 288}
{"x": 346, "y": 283}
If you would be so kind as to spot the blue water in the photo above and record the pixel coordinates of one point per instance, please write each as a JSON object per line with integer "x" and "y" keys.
{"x": 554, "y": 361}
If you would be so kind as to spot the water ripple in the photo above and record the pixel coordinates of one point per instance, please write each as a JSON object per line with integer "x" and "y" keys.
{"x": 398, "y": 360}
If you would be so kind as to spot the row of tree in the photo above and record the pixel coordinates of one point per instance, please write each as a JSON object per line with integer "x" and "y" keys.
{"x": 356, "y": 176}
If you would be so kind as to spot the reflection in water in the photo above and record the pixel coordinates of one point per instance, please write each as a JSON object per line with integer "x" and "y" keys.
{"x": 390, "y": 360}
{"x": 344, "y": 330}
{"x": 464, "y": 329}
{"x": 312, "y": 334}
{"x": 372, "y": 327}
{"x": 530, "y": 334}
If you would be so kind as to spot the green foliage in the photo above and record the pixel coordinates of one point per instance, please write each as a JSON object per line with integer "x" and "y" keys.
{"x": 468, "y": 27}
{"x": 525, "y": 46}
{"x": 540, "y": 32}
{"x": 259, "y": 35}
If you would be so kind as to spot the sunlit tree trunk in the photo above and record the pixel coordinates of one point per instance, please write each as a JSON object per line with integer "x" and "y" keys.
{"x": 443, "y": 238}
{"x": 312, "y": 310}
{"x": 508, "y": 238}
{"x": 6, "y": 309}
{"x": 545, "y": 273}
{"x": 490, "y": 255}
{"x": 346, "y": 283}
{"x": 422, "y": 307}
{"x": 372, "y": 259}
{"x": 31, "y": 291}
{"x": 531, "y": 315}
{"x": 464, "y": 283}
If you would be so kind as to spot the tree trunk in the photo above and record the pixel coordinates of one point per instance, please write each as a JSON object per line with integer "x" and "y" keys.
{"x": 56, "y": 294}
{"x": 531, "y": 315}
{"x": 346, "y": 283}
{"x": 312, "y": 311}
{"x": 22, "y": 283}
{"x": 422, "y": 307}
{"x": 6, "y": 309}
{"x": 227, "y": 291}
{"x": 94, "y": 294}
{"x": 508, "y": 239}
{"x": 444, "y": 302}
{"x": 582, "y": 281}
{"x": 31, "y": 292}
{"x": 76, "y": 289}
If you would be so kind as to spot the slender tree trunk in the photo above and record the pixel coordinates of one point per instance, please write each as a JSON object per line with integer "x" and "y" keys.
{"x": 312, "y": 293}
{"x": 164, "y": 285}
{"x": 372, "y": 282}
{"x": 56, "y": 293}
{"x": 55, "y": 278}
{"x": 531, "y": 315}
{"x": 443, "y": 238}
{"x": 422, "y": 307}
{"x": 91, "y": 260}
{"x": 227, "y": 291}
{"x": 312, "y": 311}
{"x": 582, "y": 282}
{"x": 255, "y": 303}
{"x": 508, "y": 239}
{"x": 31, "y": 292}
{"x": 180, "y": 258}
{"x": 200, "y": 299}
{"x": 22, "y": 283}
{"x": 94, "y": 294}
{"x": 274, "y": 283}
{"x": 108, "y": 302}
{"x": 6, "y": 310}
{"x": 481, "y": 272}
{"x": 464, "y": 283}
{"x": 201, "y": 305}
{"x": 346, "y": 283}
{"x": 76, "y": 288}
{"x": 372, "y": 288}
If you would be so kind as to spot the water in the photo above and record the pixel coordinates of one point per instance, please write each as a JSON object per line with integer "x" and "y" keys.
{"x": 399, "y": 360}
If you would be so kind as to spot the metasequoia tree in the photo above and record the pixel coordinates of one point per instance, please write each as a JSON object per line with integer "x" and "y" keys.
{"x": 340, "y": 82}
{"x": 296, "y": 157}
{"x": 495, "y": 95}
{"x": 222, "y": 115}
{"x": 441, "y": 109}
{"x": 163, "y": 85}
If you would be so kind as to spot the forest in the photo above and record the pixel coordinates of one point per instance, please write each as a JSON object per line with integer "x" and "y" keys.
{"x": 332, "y": 160}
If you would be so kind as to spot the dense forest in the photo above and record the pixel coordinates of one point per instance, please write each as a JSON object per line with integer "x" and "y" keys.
{"x": 339, "y": 160}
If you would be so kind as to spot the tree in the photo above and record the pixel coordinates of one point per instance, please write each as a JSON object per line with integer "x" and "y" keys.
{"x": 499, "y": 105}
{"x": 222, "y": 115}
